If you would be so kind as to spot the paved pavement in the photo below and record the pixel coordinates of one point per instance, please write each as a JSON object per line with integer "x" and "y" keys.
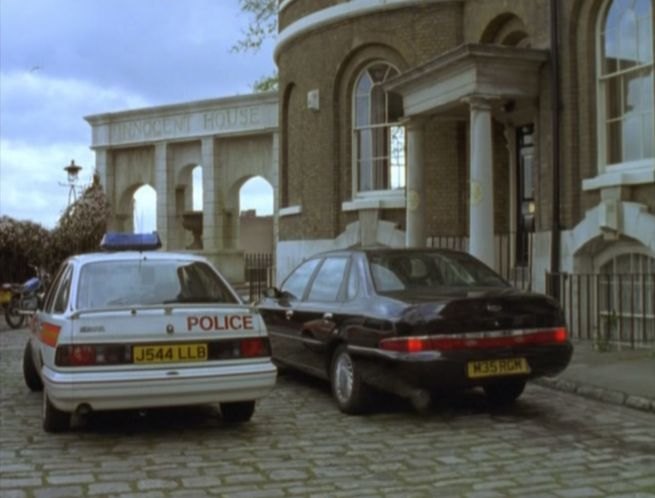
{"x": 551, "y": 444}
{"x": 619, "y": 376}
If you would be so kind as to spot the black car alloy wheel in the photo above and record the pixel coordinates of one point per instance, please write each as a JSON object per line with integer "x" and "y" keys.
{"x": 348, "y": 389}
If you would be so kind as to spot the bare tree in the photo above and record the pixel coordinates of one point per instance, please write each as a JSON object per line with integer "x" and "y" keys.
{"x": 262, "y": 26}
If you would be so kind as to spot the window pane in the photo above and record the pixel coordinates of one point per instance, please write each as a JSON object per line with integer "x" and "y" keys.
{"x": 610, "y": 56}
{"x": 613, "y": 98}
{"x": 633, "y": 86}
{"x": 628, "y": 40}
{"x": 296, "y": 282}
{"x": 380, "y": 167}
{"x": 364, "y": 85}
{"x": 632, "y": 138}
{"x": 327, "y": 283}
{"x": 648, "y": 134}
{"x": 645, "y": 40}
{"x": 614, "y": 14}
{"x": 614, "y": 142}
{"x": 397, "y": 157}
{"x": 378, "y": 72}
{"x": 361, "y": 111}
{"x": 643, "y": 8}
{"x": 378, "y": 105}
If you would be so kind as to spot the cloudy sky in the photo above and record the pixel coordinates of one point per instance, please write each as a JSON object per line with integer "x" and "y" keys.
{"x": 61, "y": 60}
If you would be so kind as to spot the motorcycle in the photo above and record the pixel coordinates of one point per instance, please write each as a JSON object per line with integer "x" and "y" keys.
{"x": 22, "y": 300}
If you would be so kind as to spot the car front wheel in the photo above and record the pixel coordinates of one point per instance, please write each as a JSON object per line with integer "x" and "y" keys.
{"x": 504, "y": 392}
{"x": 30, "y": 373}
{"x": 349, "y": 390}
{"x": 238, "y": 412}
{"x": 54, "y": 420}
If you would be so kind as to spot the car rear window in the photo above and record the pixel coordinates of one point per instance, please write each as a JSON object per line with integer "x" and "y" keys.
{"x": 149, "y": 282}
{"x": 394, "y": 272}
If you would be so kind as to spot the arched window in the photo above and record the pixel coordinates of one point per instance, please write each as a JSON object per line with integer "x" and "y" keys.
{"x": 626, "y": 89}
{"x": 379, "y": 138}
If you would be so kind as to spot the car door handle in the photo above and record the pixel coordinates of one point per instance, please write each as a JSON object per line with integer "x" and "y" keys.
{"x": 328, "y": 316}
{"x": 288, "y": 314}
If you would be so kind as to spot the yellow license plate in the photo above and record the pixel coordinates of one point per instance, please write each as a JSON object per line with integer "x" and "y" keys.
{"x": 169, "y": 353}
{"x": 496, "y": 368}
{"x": 5, "y": 297}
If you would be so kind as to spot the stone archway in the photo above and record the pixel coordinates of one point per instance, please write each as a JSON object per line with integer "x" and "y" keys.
{"x": 231, "y": 138}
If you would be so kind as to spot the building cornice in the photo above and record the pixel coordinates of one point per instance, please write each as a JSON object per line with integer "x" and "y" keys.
{"x": 339, "y": 13}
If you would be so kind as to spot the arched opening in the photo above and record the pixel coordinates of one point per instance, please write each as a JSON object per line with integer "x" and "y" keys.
{"x": 196, "y": 188}
{"x": 506, "y": 29}
{"x": 256, "y": 216}
{"x": 144, "y": 209}
{"x": 188, "y": 206}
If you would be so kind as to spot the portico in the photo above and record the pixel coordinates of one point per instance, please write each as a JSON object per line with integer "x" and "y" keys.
{"x": 473, "y": 83}
{"x": 233, "y": 139}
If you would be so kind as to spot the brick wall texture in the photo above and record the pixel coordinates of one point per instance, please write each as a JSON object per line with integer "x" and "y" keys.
{"x": 316, "y": 146}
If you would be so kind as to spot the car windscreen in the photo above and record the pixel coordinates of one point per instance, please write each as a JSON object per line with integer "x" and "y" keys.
{"x": 149, "y": 282}
{"x": 415, "y": 270}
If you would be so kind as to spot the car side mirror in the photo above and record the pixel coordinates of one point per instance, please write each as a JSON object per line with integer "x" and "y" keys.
{"x": 272, "y": 293}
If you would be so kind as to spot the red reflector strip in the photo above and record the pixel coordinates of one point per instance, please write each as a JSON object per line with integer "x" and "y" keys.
{"x": 49, "y": 333}
{"x": 473, "y": 341}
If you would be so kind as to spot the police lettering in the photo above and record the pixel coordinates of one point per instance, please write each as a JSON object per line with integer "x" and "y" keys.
{"x": 225, "y": 322}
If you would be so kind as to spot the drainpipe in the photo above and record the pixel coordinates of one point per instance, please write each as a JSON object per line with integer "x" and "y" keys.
{"x": 555, "y": 125}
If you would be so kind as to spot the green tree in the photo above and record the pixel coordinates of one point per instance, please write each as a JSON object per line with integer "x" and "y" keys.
{"x": 23, "y": 245}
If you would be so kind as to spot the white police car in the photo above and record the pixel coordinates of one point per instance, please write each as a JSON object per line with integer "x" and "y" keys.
{"x": 133, "y": 328}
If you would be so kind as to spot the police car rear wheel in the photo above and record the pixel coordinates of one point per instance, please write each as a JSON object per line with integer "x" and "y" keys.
{"x": 30, "y": 373}
{"x": 238, "y": 412}
{"x": 54, "y": 420}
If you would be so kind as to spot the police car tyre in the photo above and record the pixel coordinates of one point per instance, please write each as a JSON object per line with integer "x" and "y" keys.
{"x": 54, "y": 420}
{"x": 30, "y": 373}
{"x": 13, "y": 318}
{"x": 348, "y": 389}
{"x": 504, "y": 392}
{"x": 237, "y": 412}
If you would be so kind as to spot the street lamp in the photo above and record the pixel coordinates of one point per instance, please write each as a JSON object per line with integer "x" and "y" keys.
{"x": 72, "y": 170}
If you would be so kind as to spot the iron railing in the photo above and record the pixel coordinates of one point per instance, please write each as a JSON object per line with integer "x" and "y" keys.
{"x": 609, "y": 309}
{"x": 259, "y": 274}
{"x": 519, "y": 275}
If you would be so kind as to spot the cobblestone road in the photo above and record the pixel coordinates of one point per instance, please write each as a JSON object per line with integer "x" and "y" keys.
{"x": 299, "y": 445}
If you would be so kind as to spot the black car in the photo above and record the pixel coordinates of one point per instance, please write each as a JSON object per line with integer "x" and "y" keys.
{"x": 413, "y": 322}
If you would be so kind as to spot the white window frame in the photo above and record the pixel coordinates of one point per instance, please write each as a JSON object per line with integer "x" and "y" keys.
{"x": 367, "y": 199}
{"x": 627, "y": 172}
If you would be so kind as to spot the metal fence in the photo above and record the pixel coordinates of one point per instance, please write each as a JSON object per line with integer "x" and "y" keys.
{"x": 259, "y": 274}
{"x": 609, "y": 309}
{"x": 519, "y": 276}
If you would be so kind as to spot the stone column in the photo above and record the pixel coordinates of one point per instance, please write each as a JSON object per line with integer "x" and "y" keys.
{"x": 481, "y": 202}
{"x": 164, "y": 197}
{"x": 415, "y": 212}
{"x": 210, "y": 202}
{"x": 105, "y": 172}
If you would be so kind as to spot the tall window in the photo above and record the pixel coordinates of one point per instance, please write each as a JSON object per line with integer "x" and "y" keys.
{"x": 378, "y": 135}
{"x": 626, "y": 80}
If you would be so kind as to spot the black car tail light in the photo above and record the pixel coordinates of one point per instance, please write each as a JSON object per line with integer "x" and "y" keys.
{"x": 483, "y": 340}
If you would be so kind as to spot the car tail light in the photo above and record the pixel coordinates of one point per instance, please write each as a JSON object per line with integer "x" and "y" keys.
{"x": 557, "y": 335}
{"x": 83, "y": 355}
{"x": 254, "y": 348}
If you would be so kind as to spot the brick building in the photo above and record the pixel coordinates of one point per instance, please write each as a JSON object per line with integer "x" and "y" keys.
{"x": 410, "y": 122}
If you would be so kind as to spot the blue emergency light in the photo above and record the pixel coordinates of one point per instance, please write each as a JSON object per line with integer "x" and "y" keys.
{"x": 119, "y": 241}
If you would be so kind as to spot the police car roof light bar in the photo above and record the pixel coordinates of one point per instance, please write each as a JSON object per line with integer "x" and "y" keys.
{"x": 118, "y": 241}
